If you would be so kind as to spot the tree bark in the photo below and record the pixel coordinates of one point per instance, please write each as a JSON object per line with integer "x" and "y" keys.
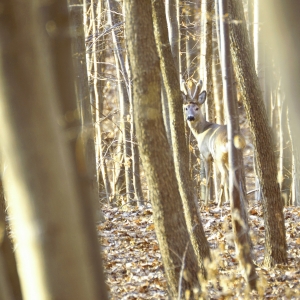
{"x": 180, "y": 152}
{"x": 124, "y": 94}
{"x": 285, "y": 154}
{"x": 172, "y": 15}
{"x": 83, "y": 102}
{"x": 134, "y": 147}
{"x": 192, "y": 43}
{"x": 275, "y": 246}
{"x": 155, "y": 151}
{"x": 49, "y": 207}
{"x": 238, "y": 211}
{"x": 97, "y": 89}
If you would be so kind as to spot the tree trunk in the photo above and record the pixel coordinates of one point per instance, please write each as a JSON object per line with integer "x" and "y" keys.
{"x": 124, "y": 94}
{"x": 180, "y": 152}
{"x": 216, "y": 68}
{"x": 210, "y": 105}
{"x": 285, "y": 154}
{"x": 192, "y": 43}
{"x": 83, "y": 102}
{"x": 182, "y": 39}
{"x": 250, "y": 20}
{"x": 48, "y": 203}
{"x": 134, "y": 146}
{"x": 238, "y": 210}
{"x": 275, "y": 246}
{"x": 10, "y": 288}
{"x": 172, "y": 15}
{"x": 259, "y": 60}
{"x": 155, "y": 151}
{"x": 98, "y": 103}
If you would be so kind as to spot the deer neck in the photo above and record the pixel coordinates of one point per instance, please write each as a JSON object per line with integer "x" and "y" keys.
{"x": 199, "y": 127}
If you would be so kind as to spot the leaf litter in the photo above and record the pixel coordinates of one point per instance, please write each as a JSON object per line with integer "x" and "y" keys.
{"x": 134, "y": 270}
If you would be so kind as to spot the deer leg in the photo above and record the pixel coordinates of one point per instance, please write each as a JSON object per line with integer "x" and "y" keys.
{"x": 226, "y": 186}
{"x": 223, "y": 187}
{"x": 207, "y": 173}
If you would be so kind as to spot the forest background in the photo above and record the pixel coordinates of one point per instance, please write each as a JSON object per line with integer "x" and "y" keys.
{"x": 114, "y": 149}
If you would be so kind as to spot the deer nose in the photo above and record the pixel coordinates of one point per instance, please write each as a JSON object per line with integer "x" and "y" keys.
{"x": 190, "y": 118}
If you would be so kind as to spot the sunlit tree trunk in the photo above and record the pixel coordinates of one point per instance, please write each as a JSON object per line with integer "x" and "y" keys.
{"x": 256, "y": 36}
{"x": 124, "y": 93}
{"x": 285, "y": 152}
{"x": 136, "y": 170}
{"x": 243, "y": 60}
{"x": 182, "y": 39}
{"x": 155, "y": 151}
{"x": 192, "y": 42}
{"x": 192, "y": 74}
{"x": 83, "y": 101}
{"x": 172, "y": 15}
{"x": 217, "y": 82}
{"x": 10, "y": 288}
{"x": 210, "y": 105}
{"x": 47, "y": 198}
{"x": 97, "y": 97}
{"x": 250, "y": 19}
{"x": 180, "y": 153}
{"x": 216, "y": 68}
{"x": 239, "y": 217}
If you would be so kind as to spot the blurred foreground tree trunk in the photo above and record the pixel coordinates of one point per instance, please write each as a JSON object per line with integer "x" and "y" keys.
{"x": 283, "y": 33}
{"x": 48, "y": 200}
{"x": 10, "y": 288}
{"x": 155, "y": 152}
{"x": 243, "y": 60}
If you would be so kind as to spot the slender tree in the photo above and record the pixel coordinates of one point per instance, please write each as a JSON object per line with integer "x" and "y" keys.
{"x": 243, "y": 60}
{"x": 192, "y": 41}
{"x": 155, "y": 152}
{"x": 238, "y": 210}
{"x": 172, "y": 15}
{"x": 124, "y": 95}
{"x": 180, "y": 154}
{"x": 83, "y": 102}
{"x": 97, "y": 98}
{"x": 208, "y": 14}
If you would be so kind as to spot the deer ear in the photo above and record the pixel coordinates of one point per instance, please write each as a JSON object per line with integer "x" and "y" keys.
{"x": 202, "y": 97}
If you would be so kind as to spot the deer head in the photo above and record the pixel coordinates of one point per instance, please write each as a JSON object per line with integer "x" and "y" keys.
{"x": 192, "y": 103}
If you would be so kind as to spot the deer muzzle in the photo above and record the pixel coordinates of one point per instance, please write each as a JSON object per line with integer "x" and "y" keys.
{"x": 191, "y": 118}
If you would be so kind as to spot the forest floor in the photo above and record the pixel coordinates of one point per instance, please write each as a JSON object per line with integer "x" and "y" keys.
{"x": 134, "y": 269}
{"x": 132, "y": 259}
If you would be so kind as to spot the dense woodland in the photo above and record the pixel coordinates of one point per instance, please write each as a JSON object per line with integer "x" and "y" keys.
{"x": 106, "y": 188}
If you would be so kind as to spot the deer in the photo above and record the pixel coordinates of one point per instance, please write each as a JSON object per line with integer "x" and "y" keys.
{"x": 211, "y": 138}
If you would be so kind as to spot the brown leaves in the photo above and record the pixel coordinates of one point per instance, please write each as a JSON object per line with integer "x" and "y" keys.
{"x": 134, "y": 270}
{"x": 131, "y": 255}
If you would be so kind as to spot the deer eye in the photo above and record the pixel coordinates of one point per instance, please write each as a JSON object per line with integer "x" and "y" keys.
{"x": 197, "y": 108}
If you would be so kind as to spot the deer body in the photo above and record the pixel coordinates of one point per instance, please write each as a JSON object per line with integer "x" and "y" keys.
{"x": 212, "y": 141}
